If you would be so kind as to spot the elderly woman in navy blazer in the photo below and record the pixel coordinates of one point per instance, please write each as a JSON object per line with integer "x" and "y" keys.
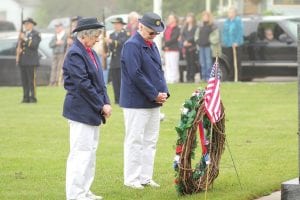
{"x": 86, "y": 106}
{"x": 143, "y": 92}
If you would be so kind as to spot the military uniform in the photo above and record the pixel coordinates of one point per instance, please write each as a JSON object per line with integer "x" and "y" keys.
{"x": 29, "y": 61}
{"x": 118, "y": 39}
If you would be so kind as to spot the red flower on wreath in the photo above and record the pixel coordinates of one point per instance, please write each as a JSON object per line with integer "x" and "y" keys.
{"x": 178, "y": 149}
{"x": 176, "y": 181}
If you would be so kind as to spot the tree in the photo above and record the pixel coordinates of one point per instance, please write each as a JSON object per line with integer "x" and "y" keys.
{"x": 50, "y": 9}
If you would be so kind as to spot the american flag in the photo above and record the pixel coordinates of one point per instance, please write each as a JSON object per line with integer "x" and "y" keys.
{"x": 212, "y": 98}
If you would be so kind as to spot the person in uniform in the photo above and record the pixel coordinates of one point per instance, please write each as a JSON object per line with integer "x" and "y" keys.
{"x": 29, "y": 59}
{"x": 115, "y": 44}
{"x": 143, "y": 92}
{"x": 86, "y": 106}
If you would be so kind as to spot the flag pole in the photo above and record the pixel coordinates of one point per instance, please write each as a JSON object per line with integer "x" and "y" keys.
{"x": 208, "y": 167}
{"x": 212, "y": 121}
{"x": 298, "y": 52}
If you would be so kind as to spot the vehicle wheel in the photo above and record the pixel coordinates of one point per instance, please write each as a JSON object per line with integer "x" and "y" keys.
{"x": 224, "y": 71}
{"x": 247, "y": 79}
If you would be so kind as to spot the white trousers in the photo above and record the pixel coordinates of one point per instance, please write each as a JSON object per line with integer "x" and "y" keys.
{"x": 81, "y": 162}
{"x": 172, "y": 66}
{"x": 142, "y": 130}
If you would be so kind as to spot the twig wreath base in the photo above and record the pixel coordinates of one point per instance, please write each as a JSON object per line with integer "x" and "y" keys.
{"x": 190, "y": 180}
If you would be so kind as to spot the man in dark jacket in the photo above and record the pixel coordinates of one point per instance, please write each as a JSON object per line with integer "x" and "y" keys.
{"x": 86, "y": 106}
{"x": 115, "y": 43}
{"x": 29, "y": 60}
{"x": 143, "y": 92}
{"x": 59, "y": 46}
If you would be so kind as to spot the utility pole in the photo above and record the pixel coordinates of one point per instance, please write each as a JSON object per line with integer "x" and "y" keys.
{"x": 157, "y": 8}
{"x": 221, "y": 7}
{"x": 298, "y": 56}
{"x": 208, "y": 5}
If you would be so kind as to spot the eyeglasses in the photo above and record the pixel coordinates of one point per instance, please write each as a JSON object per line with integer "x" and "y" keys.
{"x": 151, "y": 32}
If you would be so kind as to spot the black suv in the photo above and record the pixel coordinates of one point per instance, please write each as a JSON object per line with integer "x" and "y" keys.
{"x": 262, "y": 57}
{"x": 6, "y": 26}
{"x": 9, "y": 72}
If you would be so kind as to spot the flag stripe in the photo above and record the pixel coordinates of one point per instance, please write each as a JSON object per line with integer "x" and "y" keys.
{"x": 212, "y": 96}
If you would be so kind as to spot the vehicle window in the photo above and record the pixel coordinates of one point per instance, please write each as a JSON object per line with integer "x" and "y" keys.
{"x": 109, "y": 26}
{"x": 249, "y": 26}
{"x": 269, "y": 32}
{"x": 292, "y": 26}
{"x": 7, "y": 26}
{"x": 44, "y": 44}
{"x": 8, "y": 47}
{"x": 65, "y": 21}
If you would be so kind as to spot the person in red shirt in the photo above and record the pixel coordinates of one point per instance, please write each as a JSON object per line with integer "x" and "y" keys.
{"x": 171, "y": 48}
{"x": 133, "y": 23}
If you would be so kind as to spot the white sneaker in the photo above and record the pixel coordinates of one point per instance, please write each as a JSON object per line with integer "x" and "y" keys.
{"x": 93, "y": 196}
{"x": 84, "y": 198}
{"x": 135, "y": 186}
{"x": 151, "y": 183}
{"x": 161, "y": 116}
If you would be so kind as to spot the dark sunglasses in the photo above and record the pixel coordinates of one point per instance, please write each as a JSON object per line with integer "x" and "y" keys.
{"x": 154, "y": 33}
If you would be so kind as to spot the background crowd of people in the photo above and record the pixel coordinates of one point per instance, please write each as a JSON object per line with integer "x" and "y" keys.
{"x": 197, "y": 42}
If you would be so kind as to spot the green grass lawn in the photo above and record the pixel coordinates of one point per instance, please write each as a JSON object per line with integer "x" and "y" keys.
{"x": 261, "y": 127}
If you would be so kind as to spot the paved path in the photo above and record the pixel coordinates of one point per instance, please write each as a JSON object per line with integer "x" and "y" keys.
{"x": 273, "y": 196}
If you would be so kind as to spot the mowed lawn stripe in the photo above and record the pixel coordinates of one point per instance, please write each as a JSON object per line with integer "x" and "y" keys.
{"x": 261, "y": 127}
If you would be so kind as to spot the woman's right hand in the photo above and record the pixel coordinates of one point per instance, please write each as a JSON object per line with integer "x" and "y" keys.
{"x": 106, "y": 110}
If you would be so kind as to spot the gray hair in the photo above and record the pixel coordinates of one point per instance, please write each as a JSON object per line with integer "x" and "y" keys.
{"x": 88, "y": 33}
{"x": 133, "y": 14}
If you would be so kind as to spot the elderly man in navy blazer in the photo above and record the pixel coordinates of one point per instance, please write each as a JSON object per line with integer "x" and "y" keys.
{"x": 143, "y": 92}
{"x": 86, "y": 106}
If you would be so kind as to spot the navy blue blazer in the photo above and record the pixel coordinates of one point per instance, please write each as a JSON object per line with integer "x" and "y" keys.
{"x": 86, "y": 90}
{"x": 142, "y": 76}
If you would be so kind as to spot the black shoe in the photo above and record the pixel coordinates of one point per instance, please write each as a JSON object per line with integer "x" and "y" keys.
{"x": 25, "y": 100}
{"x": 32, "y": 100}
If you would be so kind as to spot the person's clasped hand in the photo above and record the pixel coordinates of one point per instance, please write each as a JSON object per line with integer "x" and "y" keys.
{"x": 106, "y": 110}
{"x": 161, "y": 97}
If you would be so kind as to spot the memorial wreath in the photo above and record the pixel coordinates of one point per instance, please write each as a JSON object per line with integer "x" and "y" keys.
{"x": 194, "y": 117}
